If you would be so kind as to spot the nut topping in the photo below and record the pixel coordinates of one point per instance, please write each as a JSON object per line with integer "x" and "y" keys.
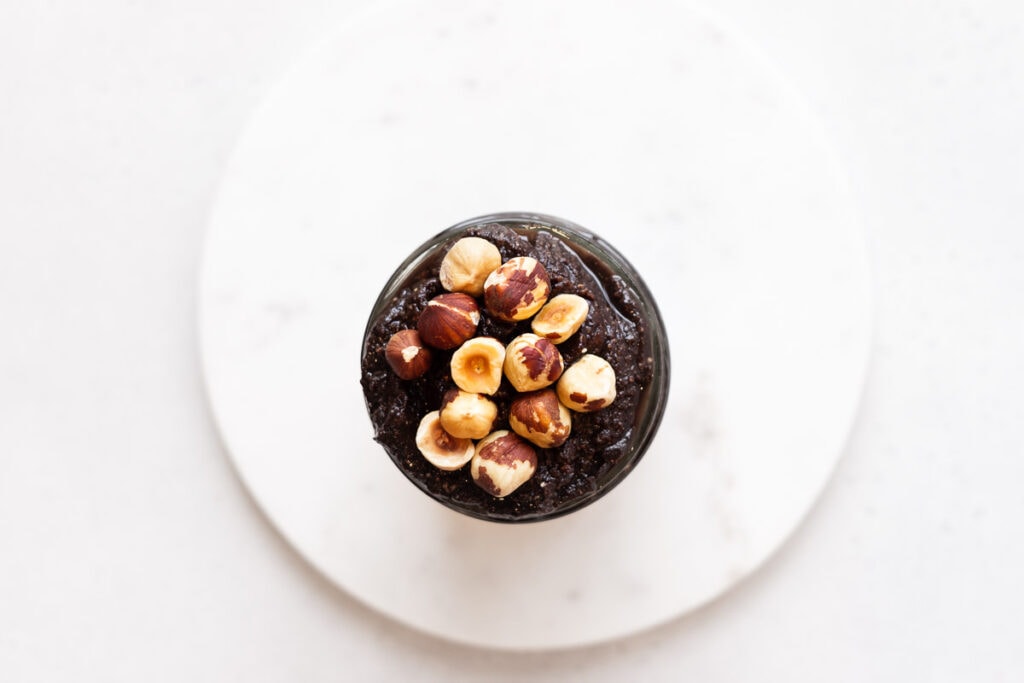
{"x": 440, "y": 448}
{"x": 502, "y": 463}
{"x": 540, "y": 418}
{"x": 448, "y": 320}
{"x": 467, "y": 416}
{"x": 505, "y": 431}
{"x": 532, "y": 362}
{"x": 561, "y": 317}
{"x": 517, "y": 289}
{"x": 476, "y": 365}
{"x": 406, "y": 355}
{"x": 587, "y": 385}
{"x": 467, "y": 264}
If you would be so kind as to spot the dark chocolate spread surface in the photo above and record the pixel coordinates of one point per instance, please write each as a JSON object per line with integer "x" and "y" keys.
{"x": 615, "y": 329}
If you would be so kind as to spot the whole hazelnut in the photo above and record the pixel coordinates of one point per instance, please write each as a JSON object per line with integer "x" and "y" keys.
{"x": 448, "y": 320}
{"x": 517, "y": 289}
{"x": 441, "y": 449}
{"x": 588, "y": 385}
{"x": 406, "y": 355}
{"x": 561, "y": 317}
{"x": 532, "y": 362}
{"x": 502, "y": 463}
{"x": 476, "y": 366}
{"x": 467, "y": 264}
{"x": 467, "y": 416}
{"x": 539, "y": 417}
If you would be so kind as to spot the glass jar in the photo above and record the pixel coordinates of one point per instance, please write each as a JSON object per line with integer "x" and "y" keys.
{"x": 625, "y": 324}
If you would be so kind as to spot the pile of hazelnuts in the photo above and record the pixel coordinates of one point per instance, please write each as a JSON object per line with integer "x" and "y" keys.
{"x": 461, "y": 430}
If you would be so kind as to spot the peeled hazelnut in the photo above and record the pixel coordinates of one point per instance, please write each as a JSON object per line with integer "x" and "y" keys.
{"x": 406, "y": 354}
{"x": 467, "y": 264}
{"x": 440, "y": 448}
{"x": 467, "y": 416}
{"x": 561, "y": 317}
{"x": 476, "y": 365}
{"x": 448, "y": 320}
{"x": 532, "y": 362}
{"x": 540, "y": 418}
{"x": 502, "y": 463}
{"x": 588, "y": 384}
{"x": 517, "y": 289}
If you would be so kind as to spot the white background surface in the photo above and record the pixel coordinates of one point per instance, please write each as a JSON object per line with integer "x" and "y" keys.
{"x": 128, "y": 549}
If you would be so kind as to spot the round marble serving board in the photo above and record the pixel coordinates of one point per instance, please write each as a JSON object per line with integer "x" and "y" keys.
{"x": 644, "y": 122}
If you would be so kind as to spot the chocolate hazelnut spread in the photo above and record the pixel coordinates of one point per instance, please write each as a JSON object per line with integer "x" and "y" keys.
{"x": 615, "y": 329}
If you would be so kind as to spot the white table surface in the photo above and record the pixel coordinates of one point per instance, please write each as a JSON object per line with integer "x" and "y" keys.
{"x": 128, "y": 549}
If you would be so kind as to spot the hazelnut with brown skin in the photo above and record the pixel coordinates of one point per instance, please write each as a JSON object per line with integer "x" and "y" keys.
{"x": 540, "y": 418}
{"x": 517, "y": 289}
{"x": 406, "y": 354}
{"x": 502, "y": 463}
{"x": 448, "y": 320}
{"x": 532, "y": 362}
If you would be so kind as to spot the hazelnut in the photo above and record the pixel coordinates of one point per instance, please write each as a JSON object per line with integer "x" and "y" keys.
{"x": 476, "y": 365}
{"x": 440, "y": 448}
{"x": 448, "y": 320}
{"x": 406, "y": 354}
{"x": 516, "y": 289}
{"x": 561, "y": 317}
{"x": 467, "y": 264}
{"x": 502, "y": 463}
{"x": 588, "y": 385}
{"x": 467, "y": 416}
{"x": 532, "y": 362}
{"x": 540, "y": 418}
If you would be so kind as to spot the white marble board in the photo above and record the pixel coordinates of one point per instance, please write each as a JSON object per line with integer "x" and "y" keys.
{"x": 649, "y": 124}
